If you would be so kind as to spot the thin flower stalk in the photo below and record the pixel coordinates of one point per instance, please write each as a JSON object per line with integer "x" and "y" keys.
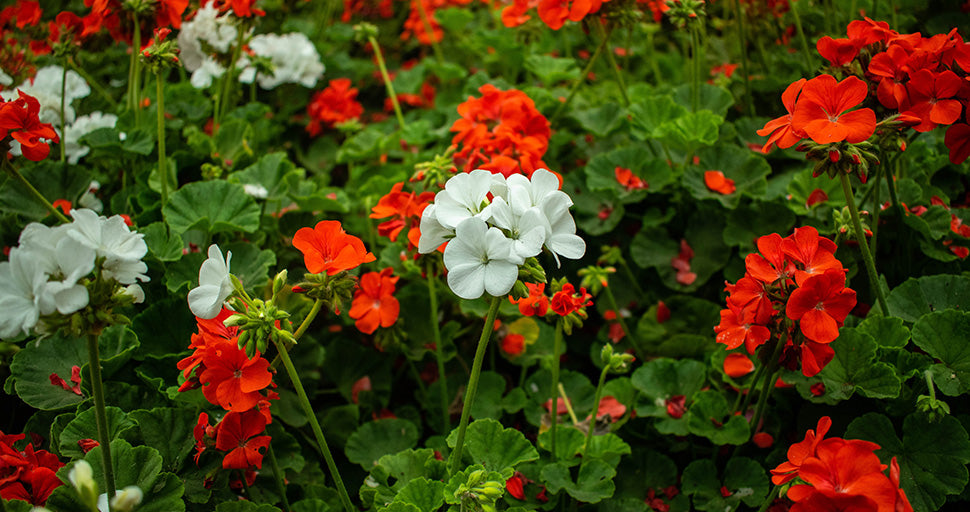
{"x": 439, "y": 353}
{"x": 860, "y": 236}
{"x": 743, "y": 44}
{"x": 278, "y": 476}
{"x": 100, "y": 416}
{"x": 93, "y": 82}
{"x": 596, "y": 407}
{"x": 314, "y": 424}
{"x": 160, "y": 117}
{"x": 33, "y": 191}
{"x": 617, "y": 72}
{"x": 579, "y": 80}
{"x": 228, "y": 79}
{"x": 426, "y": 21}
{"x": 63, "y": 143}
{"x": 554, "y": 410}
{"x": 134, "y": 78}
{"x": 455, "y": 459}
{"x": 569, "y": 406}
{"x": 626, "y": 329}
{"x": 806, "y": 53}
{"x": 387, "y": 79}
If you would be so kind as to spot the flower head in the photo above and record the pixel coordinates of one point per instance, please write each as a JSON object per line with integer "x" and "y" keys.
{"x": 215, "y": 286}
{"x": 374, "y": 304}
{"x": 328, "y": 248}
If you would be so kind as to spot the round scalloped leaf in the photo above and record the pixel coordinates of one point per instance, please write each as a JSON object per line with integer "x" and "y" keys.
{"x": 377, "y": 438}
{"x": 748, "y": 170}
{"x": 84, "y": 426}
{"x": 854, "y": 368}
{"x": 744, "y": 479}
{"x": 710, "y": 416}
{"x": 943, "y": 335}
{"x": 888, "y": 331}
{"x": 211, "y": 206}
{"x": 917, "y": 297}
{"x": 593, "y": 484}
{"x": 170, "y": 431}
{"x": 932, "y": 457}
{"x": 496, "y": 448}
{"x": 422, "y": 493}
{"x": 601, "y": 172}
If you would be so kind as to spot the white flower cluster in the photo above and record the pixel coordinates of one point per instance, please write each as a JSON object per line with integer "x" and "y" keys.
{"x": 44, "y": 270}
{"x": 293, "y": 57}
{"x": 206, "y": 32}
{"x": 215, "y": 285}
{"x": 82, "y": 126}
{"x": 488, "y": 240}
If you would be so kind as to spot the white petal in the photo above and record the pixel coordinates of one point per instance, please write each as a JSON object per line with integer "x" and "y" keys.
{"x": 500, "y": 276}
{"x": 467, "y": 281}
{"x": 433, "y": 234}
{"x": 71, "y": 299}
{"x": 205, "y": 302}
{"x": 569, "y": 246}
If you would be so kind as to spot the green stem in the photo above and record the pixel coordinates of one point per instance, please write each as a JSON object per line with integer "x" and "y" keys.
{"x": 61, "y": 145}
{"x": 766, "y": 390}
{"x": 280, "y": 486}
{"x": 596, "y": 408}
{"x": 569, "y": 405}
{"x": 97, "y": 389}
{"x": 582, "y": 78}
{"x": 928, "y": 376}
{"x": 860, "y": 237}
{"x": 455, "y": 459}
{"x": 801, "y": 37}
{"x": 743, "y": 44}
{"x": 439, "y": 353}
{"x": 387, "y": 80}
{"x": 93, "y": 82}
{"x": 33, "y": 191}
{"x": 770, "y": 498}
{"x": 554, "y": 410}
{"x": 652, "y": 57}
{"x": 160, "y": 109}
{"x": 426, "y": 21}
{"x": 876, "y": 209}
{"x": 135, "y": 83}
{"x": 308, "y": 320}
{"x": 314, "y": 424}
{"x": 695, "y": 82}
{"x": 611, "y": 302}
{"x": 228, "y": 78}
{"x": 617, "y": 72}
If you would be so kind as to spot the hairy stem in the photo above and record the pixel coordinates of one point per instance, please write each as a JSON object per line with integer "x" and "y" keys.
{"x": 860, "y": 237}
{"x": 554, "y": 410}
{"x": 387, "y": 80}
{"x": 100, "y": 416}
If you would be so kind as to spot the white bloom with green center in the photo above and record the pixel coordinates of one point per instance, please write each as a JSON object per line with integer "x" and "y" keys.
{"x": 479, "y": 260}
{"x": 215, "y": 286}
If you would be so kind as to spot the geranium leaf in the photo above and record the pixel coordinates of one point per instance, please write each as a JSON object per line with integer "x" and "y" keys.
{"x": 245, "y": 506}
{"x": 274, "y": 172}
{"x": 712, "y": 98}
{"x": 593, "y": 484}
{"x": 84, "y": 426}
{"x": 569, "y": 442}
{"x": 695, "y": 128}
{"x": 168, "y": 430}
{"x": 710, "y": 416}
{"x": 932, "y": 456}
{"x": 50, "y": 178}
{"x": 551, "y": 70}
{"x": 854, "y": 369}
{"x": 662, "y": 378}
{"x": 488, "y": 399}
{"x": 422, "y": 493}
{"x": 649, "y": 114}
{"x": 888, "y": 331}
{"x": 162, "y": 243}
{"x": 250, "y": 264}
{"x": 376, "y": 438}
{"x": 746, "y": 223}
{"x": 919, "y": 296}
{"x": 941, "y": 335}
{"x": 601, "y": 172}
{"x": 166, "y": 326}
{"x": 601, "y": 120}
{"x": 744, "y": 479}
{"x": 748, "y": 171}
{"x": 496, "y": 448}
{"x": 211, "y": 206}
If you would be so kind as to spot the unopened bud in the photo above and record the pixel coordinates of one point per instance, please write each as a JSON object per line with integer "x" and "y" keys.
{"x": 81, "y": 477}
{"x": 279, "y": 282}
{"x": 127, "y": 499}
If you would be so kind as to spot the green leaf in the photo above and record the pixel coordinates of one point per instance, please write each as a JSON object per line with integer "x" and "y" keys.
{"x": 211, "y": 206}
{"x": 747, "y": 223}
{"x": 163, "y": 244}
{"x": 183, "y": 274}
{"x": 166, "y": 326}
{"x": 748, "y": 170}
{"x": 712, "y": 98}
{"x": 695, "y": 128}
{"x": 889, "y": 332}
{"x": 33, "y": 365}
{"x": 50, "y": 178}
{"x": 943, "y": 335}
{"x": 594, "y": 483}
{"x": 919, "y": 296}
{"x": 232, "y": 141}
{"x": 853, "y": 368}
{"x": 932, "y": 457}
{"x": 551, "y": 70}
{"x": 374, "y": 439}
{"x": 496, "y": 448}
{"x": 934, "y": 223}
{"x": 601, "y": 120}
{"x": 170, "y": 431}
{"x": 488, "y": 399}
{"x": 311, "y": 505}
{"x": 648, "y": 115}
{"x": 422, "y": 493}
{"x": 569, "y": 442}
{"x": 653, "y": 247}
{"x": 744, "y": 478}
{"x": 709, "y": 415}
{"x": 662, "y": 378}
{"x": 250, "y": 264}
{"x": 84, "y": 426}
{"x": 274, "y": 172}
{"x": 601, "y": 172}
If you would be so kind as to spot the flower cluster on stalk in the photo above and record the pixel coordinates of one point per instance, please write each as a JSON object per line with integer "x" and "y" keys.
{"x": 71, "y": 276}
{"x": 492, "y": 225}
{"x": 839, "y": 474}
{"x": 793, "y": 293}
{"x": 332, "y": 106}
{"x": 502, "y": 132}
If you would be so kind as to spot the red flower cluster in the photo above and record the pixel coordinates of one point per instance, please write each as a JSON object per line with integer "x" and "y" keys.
{"x": 415, "y": 24}
{"x": 235, "y": 382}
{"x": 404, "y": 210}
{"x": 367, "y": 9}
{"x": 374, "y": 303}
{"x": 839, "y": 474}
{"x": 553, "y": 13}
{"x": 502, "y": 132}
{"x": 241, "y": 8}
{"x": 800, "y": 276}
{"x": 921, "y": 78}
{"x": 567, "y": 301}
{"x": 332, "y": 106}
{"x": 536, "y": 303}
{"x": 18, "y": 118}
{"x": 328, "y": 248}
{"x": 26, "y": 475}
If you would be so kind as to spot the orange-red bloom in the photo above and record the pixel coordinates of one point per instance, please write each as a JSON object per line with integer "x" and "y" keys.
{"x": 568, "y": 301}
{"x": 333, "y": 105}
{"x": 328, "y": 248}
{"x": 238, "y": 434}
{"x": 779, "y": 130}
{"x": 374, "y": 303}
{"x": 554, "y": 13}
{"x": 823, "y": 110}
{"x": 536, "y": 303}
{"x": 628, "y": 180}
{"x": 717, "y": 182}
{"x": 19, "y": 119}
{"x": 404, "y": 210}
{"x": 820, "y": 305}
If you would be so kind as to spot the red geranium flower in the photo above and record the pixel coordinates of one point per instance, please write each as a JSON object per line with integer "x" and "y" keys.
{"x": 820, "y": 305}
{"x": 823, "y": 110}
{"x": 328, "y": 248}
{"x": 929, "y": 97}
{"x": 838, "y": 52}
{"x": 19, "y": 119}
{"x": 405, "y": 209}
{"x": 554, "y": 13}
{"x": 242, "y": 8}
{"x": 232, "y": 380}
{"x": 957, "y": 140}
{"x": 780, "y": 131}
{"x": 737, "y": 365}
{"x": 374, "y": 303}
{"x": 238, "y": 434}
{"x": 536, "y": 303}
{"x": 738, "y": 327}
{"x": 567, "y": 301}
{"x": 628, "y": 180}
{"x": 333, "y": 105}
{"x": 813, "y": 252}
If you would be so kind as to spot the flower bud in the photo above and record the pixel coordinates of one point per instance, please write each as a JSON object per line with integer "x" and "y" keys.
{"x": 81, "y": 477}
{"x": 279, "y": 282}
{"x": 127, "y": 499}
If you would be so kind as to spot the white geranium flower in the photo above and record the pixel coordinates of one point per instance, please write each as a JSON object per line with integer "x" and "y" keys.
{"x": 112, "y": 239}
{"x": 478, "y": 260}
{"x": 80, "y": 127}
{"x": 5, "y": 79}
{"x": 464, "y": 196}
{"x": 64, "y": 261}
{"x": 525, "y": 193}
{"x": 293, "y": 57}
{"x": 433, "y": 234}
{"x": 527, "y": 230}
{"x": 22, "y": 281}
{"x": 561, "y": 237}
{"x": 207, "y": 71}
{"x": 125, "y": 500}
{"x": 215, "y": 286}
{"x": 207, "y": 30}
